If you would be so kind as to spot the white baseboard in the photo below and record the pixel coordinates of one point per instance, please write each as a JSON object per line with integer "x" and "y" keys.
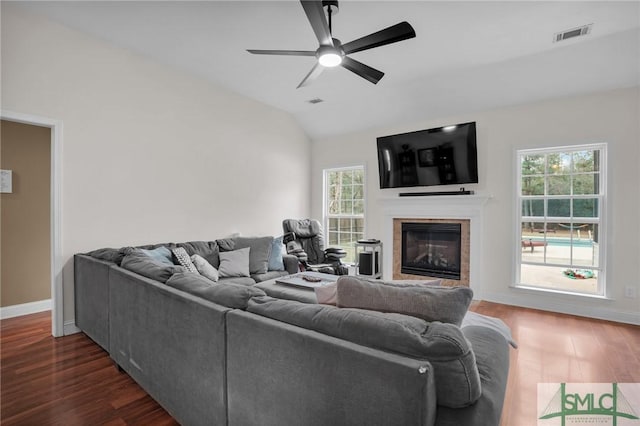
{"x": 25, "y": 309}
{"x": 70, "y": 328}
{"x": 564, "y": 307}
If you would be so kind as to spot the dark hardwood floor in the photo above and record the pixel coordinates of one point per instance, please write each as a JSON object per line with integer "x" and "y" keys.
{"x": 72, "y": 381}
{"x": 65, "y": 381}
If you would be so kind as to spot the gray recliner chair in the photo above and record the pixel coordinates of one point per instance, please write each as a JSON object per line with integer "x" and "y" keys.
{"x": 304, "y": 239}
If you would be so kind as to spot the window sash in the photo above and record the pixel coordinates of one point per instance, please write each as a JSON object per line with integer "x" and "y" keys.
{"x": 338, "y": 207}
{"x": 576, "y": 183}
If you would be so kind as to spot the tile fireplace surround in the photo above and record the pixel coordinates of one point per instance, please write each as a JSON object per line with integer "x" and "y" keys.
{"x": 456, "y": 208}
{"x": 464, "y": 255}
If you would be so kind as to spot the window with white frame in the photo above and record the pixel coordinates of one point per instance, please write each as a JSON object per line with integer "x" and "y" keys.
{"x": 560, "y": 212}
{"x": 344, "y": 208}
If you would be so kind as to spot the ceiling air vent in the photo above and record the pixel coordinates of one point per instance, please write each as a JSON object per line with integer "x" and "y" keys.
{"x": 315, "y": 101}
{"x": 573, "y": 32}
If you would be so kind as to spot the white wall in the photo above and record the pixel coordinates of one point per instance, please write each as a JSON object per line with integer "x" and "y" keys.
{"x": 150, "y": 154}
{"x": 611, "y": 117}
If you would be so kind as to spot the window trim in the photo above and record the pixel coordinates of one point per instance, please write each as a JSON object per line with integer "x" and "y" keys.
{"x": 325, "y": 207}
{"x": 603, "y": 289}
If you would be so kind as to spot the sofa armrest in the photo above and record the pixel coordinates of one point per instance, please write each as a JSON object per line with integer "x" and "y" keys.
{"x": 172, "y": 344}
{"x": 321, "y": 380}
{"x": 290, "y": 263}
{"x": 91, "y": 288}
{"x": 492, "y": 357}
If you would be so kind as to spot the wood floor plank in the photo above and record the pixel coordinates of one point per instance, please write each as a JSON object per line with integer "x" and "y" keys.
{"x": 559, "y": 348}
{"x": 72, "y": 381}
{"x": 68, "y": 380}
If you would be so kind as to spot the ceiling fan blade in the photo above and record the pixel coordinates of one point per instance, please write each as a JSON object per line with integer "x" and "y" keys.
{"x": 313, "y": 74}
{"x": 364, "y": 71}
{"x": 282, "y": 52}
{"x": 393, "y": 34}
{"x": 315, "y": 14}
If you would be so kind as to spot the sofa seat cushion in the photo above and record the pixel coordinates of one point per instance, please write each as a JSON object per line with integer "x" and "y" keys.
{"x": 225, "y": 294}
{"x": 431, "y": 303}
{"x": 258, "y": 255}
{"x": 281, "y": 291}
{"x": 237, "y": 280}
{"x": 138, "y": 262}
{"x": 269, "y": 275}
{"x": 443, "y": 345}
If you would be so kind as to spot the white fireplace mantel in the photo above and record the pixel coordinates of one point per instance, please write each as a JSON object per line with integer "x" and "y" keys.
{"x": 469, "y": 207}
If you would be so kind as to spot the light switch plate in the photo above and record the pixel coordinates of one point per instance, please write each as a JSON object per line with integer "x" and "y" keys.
{"x": 6, "y": 186}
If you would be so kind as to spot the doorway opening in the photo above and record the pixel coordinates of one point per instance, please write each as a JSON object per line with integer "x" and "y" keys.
{"x": 55, "y": 213}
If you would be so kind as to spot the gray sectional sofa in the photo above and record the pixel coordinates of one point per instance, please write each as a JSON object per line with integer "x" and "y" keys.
{"x": 227, "y": 353}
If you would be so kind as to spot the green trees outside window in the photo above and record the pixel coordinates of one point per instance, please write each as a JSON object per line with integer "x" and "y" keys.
{"x": 344, "y": 208}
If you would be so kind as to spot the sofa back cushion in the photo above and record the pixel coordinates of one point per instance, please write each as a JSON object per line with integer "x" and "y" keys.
{"x": 229, "y": 295}
{"x": 208, "y": 250}
{"x": 114, "y": 255}
{"x": 443, "y": 345}
{"x": 258, "y": 255}
{"x": 431, "y": 303}
{"x": 138, "y": 262}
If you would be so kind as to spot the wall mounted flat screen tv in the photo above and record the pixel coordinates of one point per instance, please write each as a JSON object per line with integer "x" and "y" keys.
{"x": 441, "y": 156}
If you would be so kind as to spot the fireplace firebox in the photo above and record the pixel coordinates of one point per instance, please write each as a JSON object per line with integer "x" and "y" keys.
{"x": 432, "y": 249}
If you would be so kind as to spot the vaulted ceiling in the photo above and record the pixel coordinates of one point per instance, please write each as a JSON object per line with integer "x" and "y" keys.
{"x": 467, "y": 56}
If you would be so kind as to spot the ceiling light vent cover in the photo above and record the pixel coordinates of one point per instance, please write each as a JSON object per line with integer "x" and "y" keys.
{"x": 573, "y": 32}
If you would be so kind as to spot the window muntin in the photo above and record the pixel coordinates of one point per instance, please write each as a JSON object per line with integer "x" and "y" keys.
{"x": 344, "y": 208}
{"x": 560, "y": 197}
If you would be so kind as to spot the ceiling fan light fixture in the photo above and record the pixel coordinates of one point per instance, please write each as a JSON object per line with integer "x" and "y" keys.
{"x": 330, "y": 59}
{"x": 330, "y": 56}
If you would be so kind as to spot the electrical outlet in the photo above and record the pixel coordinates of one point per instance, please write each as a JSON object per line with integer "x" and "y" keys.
{"x": 630, "y": 292}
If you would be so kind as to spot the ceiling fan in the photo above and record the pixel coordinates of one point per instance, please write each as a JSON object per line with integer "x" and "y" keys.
{"x": 332, "y": 52}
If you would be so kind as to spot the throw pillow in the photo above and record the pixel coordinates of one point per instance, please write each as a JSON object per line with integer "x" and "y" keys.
{"x": 327, "y": 294}
{"x": 205, "y": 268}
{"x": 183, "y": 259}
{"x": 234, "y": 263}
{"x": 160, "y": 254}
{"x": 444, "y": 304}
{"x": 275, "y": 258}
